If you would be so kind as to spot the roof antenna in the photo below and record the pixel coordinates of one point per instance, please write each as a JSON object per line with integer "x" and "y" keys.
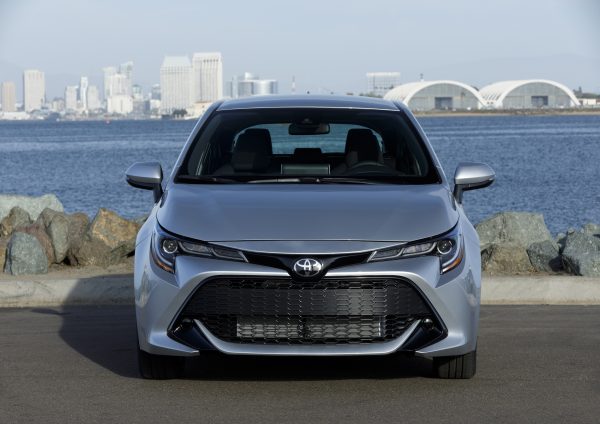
{"x": 421, "y": 76}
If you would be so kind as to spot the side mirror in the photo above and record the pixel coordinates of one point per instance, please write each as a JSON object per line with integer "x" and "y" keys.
{"x": 471, "y": 176}
{"x": 147, "y": 176}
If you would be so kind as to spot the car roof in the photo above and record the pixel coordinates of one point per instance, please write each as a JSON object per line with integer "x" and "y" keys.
{"x": 308, "y": 101}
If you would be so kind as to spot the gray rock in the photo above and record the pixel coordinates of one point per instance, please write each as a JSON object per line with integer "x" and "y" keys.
{"x": 16, "y": 218}
{"x": 93, "y": 252}
{"x": 40, "y": 234}
{"x": 33, "y": 205}
{"x": 3, "y": 246}
{"x": 591, "y": 229}
{"x": 58, "y": 230}
{"x": 25, "y": 255}
{"x": 544, "y": 256}
{"x": 520, "y": 228}
{"x": 581, "y": 255}
{"x": 78, "y": 226}
{"x": 505, "y": 259}
{"x": 46, "y": 217}
{"x": 56, "y": 225}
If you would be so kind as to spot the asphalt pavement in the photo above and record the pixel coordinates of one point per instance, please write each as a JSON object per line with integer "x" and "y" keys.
{"x": 77, "y": 364}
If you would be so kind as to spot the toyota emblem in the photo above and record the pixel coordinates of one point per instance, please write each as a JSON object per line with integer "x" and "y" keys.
{"x": 307, "y": 267}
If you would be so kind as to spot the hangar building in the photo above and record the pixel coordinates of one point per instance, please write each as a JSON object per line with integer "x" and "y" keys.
{"x": 528, "y": 94}
{"x": 440, "y": 95}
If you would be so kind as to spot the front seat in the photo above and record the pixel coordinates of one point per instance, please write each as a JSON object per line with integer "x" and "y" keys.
{"x": 252, "y": 153}
{"x": 361, "y": 146}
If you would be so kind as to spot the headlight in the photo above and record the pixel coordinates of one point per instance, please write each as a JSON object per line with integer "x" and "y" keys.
{"x": 449, "y": 248}
{"x": 166, "y": 247}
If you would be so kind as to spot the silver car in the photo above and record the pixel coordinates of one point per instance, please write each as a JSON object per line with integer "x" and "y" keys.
{"x": 307, "y": 226}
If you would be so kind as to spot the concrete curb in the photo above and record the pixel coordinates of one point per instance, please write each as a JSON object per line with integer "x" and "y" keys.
{"x": 99, "y": 290}
{"x": 118, "y": 289}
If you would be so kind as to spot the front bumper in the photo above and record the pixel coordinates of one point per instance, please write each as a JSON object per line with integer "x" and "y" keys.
{"x": 161, "y": 297}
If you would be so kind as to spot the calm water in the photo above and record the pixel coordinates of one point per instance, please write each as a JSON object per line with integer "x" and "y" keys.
{"x": 547, "y": 164}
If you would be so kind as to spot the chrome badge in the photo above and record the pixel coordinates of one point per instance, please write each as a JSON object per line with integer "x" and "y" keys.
{"x": 307, "y": 267}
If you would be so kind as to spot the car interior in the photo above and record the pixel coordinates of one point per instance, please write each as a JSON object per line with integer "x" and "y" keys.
{"x": 308, "y": 147}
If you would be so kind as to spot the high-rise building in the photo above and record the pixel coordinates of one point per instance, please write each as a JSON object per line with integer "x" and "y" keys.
{"x": 83, "y": 87}
{"x": 34, "y": 90}
{"x": 175, "y": 84}
{"x": 9, "y": 96}
{"x": 379, "y": 83}
{"x": 207, "y": 77}
{"x": 126, "y": 69}
{"x": 137, "y": 92}
{"x": 108, "y": 72}
{"x": 119, "y": 104}
{"x": 93, "y": 98}
{"x": 155, "y": 92}
{"x": 71, "y": 98}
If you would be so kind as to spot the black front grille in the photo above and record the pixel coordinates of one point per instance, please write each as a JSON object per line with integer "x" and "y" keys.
{"x": 284, "y": 311}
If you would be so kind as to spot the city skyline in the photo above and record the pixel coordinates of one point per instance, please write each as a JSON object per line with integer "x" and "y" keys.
{"x": 326, "y": 47}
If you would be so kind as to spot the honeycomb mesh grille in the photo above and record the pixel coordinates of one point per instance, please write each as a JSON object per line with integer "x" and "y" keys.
{"x": 284, "y": 311}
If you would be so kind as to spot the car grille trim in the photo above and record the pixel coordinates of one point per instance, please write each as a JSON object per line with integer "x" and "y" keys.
{"x": 283, "y": 311}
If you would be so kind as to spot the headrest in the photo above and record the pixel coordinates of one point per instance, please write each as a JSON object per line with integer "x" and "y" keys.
{"x": 362, "y": 145}
{"x": 252, "y": 151}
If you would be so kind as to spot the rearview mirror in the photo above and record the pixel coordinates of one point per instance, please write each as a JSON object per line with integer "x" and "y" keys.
{"x": 308, "y": 127}
{"x": 147, "y": 176}
{"x": 471, "y": 176}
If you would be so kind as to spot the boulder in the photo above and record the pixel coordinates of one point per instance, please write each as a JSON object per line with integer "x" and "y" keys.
{"x": 56, "y": 225}
{"x": 591, "y": 229}
{"x": 109, "y": 239}
{"x": 581, "y": 254}
{"x": 520, "y": 228}
{"x": 40, "y": 234}
{"x": 78, "y": 226}
{"x": 113, "y": 229}
{"x": 544, "y": 256}
{"x": 93, "y": 252}
{"x": 58, "y": 231}
{"x": 3, "y": 247}
{"x": 16, "y": 218}
{"x": 33, "y": 205}
{"x": 505, "y": 259}
{"x": 25, "y": 255}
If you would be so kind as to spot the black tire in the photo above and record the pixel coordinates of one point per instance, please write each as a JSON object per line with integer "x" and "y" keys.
{"x": 455, "y": 367}
{"x": 160, "y": 367}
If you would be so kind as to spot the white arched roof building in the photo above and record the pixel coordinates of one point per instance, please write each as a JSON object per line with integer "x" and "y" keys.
{"x": 443, "y": 95}
{"x": 527, "y": 94}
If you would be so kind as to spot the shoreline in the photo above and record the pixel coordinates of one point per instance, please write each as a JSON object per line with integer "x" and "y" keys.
{"x": 418, "y": 114}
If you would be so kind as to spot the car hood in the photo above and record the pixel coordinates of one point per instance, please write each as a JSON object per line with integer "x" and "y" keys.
{"x": 243, "y": 212}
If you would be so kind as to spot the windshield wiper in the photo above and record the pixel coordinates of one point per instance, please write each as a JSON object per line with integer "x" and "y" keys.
{"x": 204, "y": 179}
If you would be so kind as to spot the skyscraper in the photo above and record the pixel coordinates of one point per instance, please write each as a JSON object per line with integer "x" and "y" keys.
{"x": 9, "y": 96}
{"x": 71, "y": 98}
{"x": 34, "y": 90}
{"x": 108, "y": 72}
{"x": 83, "y": 87}
{"x": 379, "y": 83}
{"x": 175, "y": 84}
{"x": 207, "y": 77}
{"x": 126, "y": 69}
{"x": 93, "y": 98}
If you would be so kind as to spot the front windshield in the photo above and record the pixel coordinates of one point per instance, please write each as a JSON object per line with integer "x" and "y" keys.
{"x": 290, "y": 145}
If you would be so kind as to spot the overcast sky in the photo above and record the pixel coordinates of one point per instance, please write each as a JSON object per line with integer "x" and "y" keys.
{"x": 326, "y": 45}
